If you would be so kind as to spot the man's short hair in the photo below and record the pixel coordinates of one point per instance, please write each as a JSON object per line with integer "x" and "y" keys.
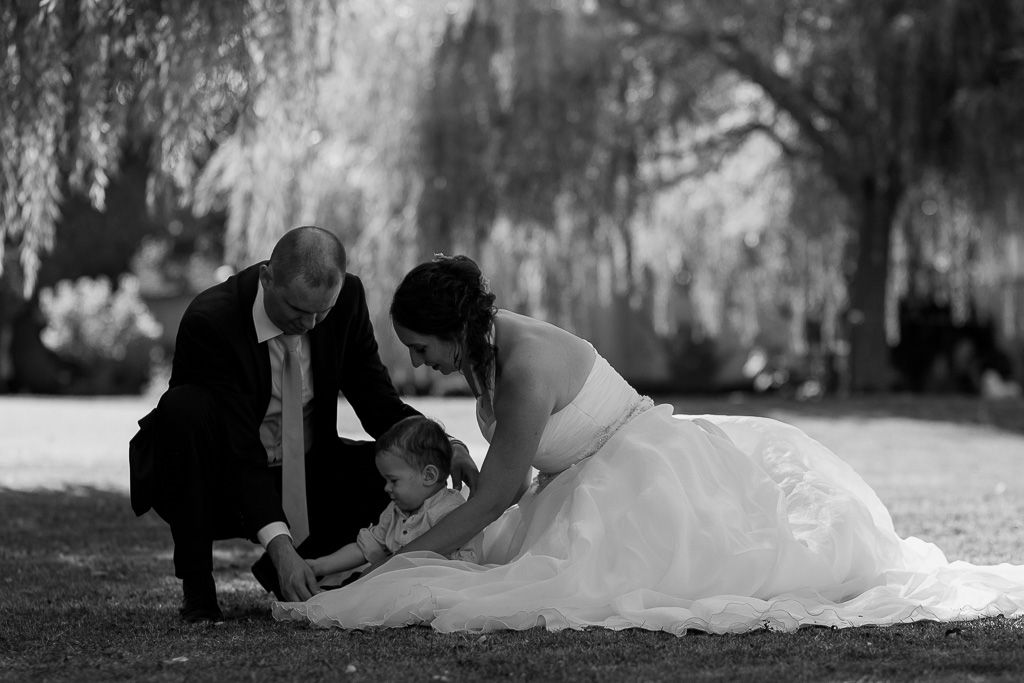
{"x": 310, "y": 253}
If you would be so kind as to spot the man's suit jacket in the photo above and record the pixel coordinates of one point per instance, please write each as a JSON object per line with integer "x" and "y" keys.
{"x": 216, "y": 348}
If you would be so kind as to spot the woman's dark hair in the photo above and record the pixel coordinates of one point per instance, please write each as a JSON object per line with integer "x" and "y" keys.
{"x": 419, "y": 441}
{"x": 448, "y": 298}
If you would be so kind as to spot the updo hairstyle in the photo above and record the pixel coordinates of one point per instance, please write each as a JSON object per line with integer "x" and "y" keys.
{"x": 448, "y": 298}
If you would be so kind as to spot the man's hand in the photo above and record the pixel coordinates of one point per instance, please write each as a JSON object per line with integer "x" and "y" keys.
{"x": 298, "y": 583}
{"x": 464, "y": 470}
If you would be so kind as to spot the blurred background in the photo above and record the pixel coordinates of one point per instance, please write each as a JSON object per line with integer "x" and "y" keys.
{"x": 798, "y": 197}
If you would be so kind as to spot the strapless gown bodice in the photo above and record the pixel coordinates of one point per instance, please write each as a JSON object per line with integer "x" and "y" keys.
{"x": 579, "y": 429}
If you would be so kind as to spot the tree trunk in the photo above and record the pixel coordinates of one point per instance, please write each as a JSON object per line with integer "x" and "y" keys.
{"x": 870, "y": 367}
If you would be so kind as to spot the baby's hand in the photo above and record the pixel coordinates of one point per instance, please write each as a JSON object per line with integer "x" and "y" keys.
{"x": 314, "y": 566}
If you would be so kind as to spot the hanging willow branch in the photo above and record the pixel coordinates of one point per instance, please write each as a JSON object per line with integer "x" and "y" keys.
{"x": 86, "y": 79}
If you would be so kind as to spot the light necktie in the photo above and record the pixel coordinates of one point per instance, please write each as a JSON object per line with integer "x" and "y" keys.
{"x": 293, "y": 474}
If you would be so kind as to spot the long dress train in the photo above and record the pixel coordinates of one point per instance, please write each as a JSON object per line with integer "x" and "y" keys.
{"x": 640, "y": 518}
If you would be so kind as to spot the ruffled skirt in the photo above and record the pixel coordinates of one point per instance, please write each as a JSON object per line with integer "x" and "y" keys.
{"x": 718, "y": 524}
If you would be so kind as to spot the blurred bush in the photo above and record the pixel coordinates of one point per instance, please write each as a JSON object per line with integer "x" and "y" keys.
{"x": 104, "y": 336}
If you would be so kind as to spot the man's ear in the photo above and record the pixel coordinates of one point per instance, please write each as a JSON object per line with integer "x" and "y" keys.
{"x": 431, "y": 475}
{"x": 266, "y": 276}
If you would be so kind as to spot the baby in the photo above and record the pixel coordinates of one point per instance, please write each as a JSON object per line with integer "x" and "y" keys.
{"x": 414, "y": 457}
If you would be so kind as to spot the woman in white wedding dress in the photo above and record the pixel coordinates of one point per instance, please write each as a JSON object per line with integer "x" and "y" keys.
{"x": 638, "y": 518}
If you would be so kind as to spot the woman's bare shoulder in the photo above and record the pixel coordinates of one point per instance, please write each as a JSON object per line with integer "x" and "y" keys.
{"x": 537, "y": 352}
{"x": 522, "y": 339}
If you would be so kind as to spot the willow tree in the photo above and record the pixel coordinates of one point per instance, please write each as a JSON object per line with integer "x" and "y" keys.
{"x": 877, "y": 94}
{"x": 86, "y": 79}
{"x": 535, "y": 140}
{"x": 339, "y": 152}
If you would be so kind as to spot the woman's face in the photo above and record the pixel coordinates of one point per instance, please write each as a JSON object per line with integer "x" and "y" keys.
{"x": 434, "y": 352}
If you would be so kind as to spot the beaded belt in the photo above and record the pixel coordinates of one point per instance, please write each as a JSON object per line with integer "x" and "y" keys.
{"x": 640, "y": 405}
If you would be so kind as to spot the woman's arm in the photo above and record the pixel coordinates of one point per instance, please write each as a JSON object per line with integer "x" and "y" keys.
{"x": 523, "y": 402}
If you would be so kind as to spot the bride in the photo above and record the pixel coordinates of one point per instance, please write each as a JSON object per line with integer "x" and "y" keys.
{"x": 637, "y": 518}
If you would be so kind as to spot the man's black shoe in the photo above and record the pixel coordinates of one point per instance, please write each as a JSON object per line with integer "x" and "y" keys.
{"x": 200, "y": 601}
{"x": 266, "y": 574}
{"x": 194, "y": 611}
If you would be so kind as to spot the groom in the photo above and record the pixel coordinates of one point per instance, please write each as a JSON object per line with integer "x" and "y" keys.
{"x": 244, "y": 442}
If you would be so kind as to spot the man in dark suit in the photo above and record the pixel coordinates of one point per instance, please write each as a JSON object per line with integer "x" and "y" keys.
{"x": 209, "y": 457}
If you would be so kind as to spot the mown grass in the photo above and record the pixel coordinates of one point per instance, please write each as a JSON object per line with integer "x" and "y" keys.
{"x": 86, "y": 593}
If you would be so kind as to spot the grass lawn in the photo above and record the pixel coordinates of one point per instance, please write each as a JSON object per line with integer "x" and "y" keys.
{"x": 86, "y": 591}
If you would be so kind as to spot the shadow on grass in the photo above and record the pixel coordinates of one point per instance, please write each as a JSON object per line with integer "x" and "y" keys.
{"x": 87, "y": 595}
{"x": 83, "y": 544}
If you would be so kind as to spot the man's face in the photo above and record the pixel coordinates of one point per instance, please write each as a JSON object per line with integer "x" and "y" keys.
{"x": 295, "y": 307}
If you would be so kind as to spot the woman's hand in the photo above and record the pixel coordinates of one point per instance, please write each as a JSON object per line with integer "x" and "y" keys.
{"x": 464, "y": 470}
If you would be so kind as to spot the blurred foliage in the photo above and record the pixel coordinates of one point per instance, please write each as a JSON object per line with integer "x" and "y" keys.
{"x": 877, "y": 95}
{"x": 94, "y": 243}
{"x": 339, "y": 155}
{"x": 680, "y": 181}
{"x": 84, "y": 81}
{"x": 90, "y": 321}
{"x": 102, "y": 334}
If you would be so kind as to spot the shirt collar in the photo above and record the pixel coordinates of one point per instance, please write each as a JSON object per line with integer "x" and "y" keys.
{"x": 265, "y": 329}
{"x": 435, "y": 499}
{"x": 427, "y": 504}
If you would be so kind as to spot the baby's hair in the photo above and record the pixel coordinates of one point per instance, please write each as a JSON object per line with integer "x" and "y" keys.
{"x": 419, "y": 441}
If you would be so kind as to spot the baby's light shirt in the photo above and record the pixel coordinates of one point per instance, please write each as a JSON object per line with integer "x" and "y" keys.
{"x": 396, "y": 528}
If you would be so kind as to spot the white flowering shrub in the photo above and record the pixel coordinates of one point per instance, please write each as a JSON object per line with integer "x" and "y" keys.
{"x": 89, "y": 322}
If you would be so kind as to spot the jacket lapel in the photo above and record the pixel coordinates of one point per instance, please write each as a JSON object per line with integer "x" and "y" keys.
{"x": 248, "y": 281}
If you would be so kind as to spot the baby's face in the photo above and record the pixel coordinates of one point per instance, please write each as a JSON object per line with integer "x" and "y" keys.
{"x": 404, "y": 483}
